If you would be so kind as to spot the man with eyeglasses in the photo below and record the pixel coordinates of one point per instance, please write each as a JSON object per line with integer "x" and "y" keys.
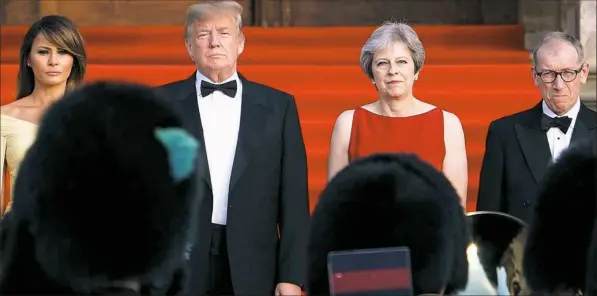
{"x": 520, "y": 147}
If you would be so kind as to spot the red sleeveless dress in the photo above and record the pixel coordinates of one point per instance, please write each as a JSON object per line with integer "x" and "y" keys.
{"x": 421, "y": 134}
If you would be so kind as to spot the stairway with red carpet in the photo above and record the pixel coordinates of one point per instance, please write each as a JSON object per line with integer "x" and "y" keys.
{"x": 480, "y": 73}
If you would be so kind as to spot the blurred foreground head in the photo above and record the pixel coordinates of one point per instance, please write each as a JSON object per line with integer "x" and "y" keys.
{"x": 558, "y": 249}
{"x": 591, "y": 278}
{"x": 104, "y": 198}
{"x": 389, "y": 200}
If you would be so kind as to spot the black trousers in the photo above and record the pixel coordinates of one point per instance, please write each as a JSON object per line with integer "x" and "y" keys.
{"x": 219, "y": 278}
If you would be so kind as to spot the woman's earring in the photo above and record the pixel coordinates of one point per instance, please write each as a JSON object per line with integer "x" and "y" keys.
{"x": 372, "y": 81}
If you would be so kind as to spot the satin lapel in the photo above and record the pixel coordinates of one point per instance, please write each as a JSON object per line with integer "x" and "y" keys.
{"x": 189, "y": 108}
{"x": 534, "y": 144}
{"x": 253, "y": 117}
{"x": 585, "y": 126}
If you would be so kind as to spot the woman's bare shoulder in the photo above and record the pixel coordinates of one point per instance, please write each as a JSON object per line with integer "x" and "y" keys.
{"x": 345, "y": 116}
{"x": 344, "y": 120}
{"x": 11, "y": 109}
{"x": 451, "y": 119}
{"x": 425, "y": 106}
{"x": 343, "y": 125}
{"x": 452, "y": 126}
{"x": 371, "y": 107}
{"x": 21, "y": 109}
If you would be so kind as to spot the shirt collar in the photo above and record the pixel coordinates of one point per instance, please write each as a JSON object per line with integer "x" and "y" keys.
{"x": 201, "y": 77}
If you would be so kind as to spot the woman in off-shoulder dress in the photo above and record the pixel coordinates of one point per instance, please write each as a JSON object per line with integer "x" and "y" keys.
{"x": 52, "y": 60}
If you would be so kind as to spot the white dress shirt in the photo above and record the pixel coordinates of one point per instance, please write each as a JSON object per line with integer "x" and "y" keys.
{"x": 220, "y": 119}
{"x": 558, "y": 141}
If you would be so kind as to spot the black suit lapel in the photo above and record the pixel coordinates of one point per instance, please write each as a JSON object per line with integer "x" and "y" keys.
{"x": 253, "y": 117}
{"x": 534, "y": 144}
{"x": 586, "y": 123}
{"x": 189, "y": 109}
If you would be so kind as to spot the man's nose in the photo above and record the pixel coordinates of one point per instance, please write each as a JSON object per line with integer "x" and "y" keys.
{"x": 559, "y": 83}
{"x": 214, "y": 40}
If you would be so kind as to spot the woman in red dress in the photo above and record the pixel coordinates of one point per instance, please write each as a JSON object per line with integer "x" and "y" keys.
{"x": 392, "y": 58}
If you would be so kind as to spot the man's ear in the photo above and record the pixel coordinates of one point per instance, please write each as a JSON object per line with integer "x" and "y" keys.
{"x": 241, "y": 44}
{"x": 534, "y": 76}
{"x": 584, "y": 73}
{"x": 189, "y": 48}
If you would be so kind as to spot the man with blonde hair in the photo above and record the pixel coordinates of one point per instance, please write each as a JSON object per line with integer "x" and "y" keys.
{"x": 252, "y": 236}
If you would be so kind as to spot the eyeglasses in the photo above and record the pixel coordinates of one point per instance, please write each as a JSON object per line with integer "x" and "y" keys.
{"x": 551, "y": 76}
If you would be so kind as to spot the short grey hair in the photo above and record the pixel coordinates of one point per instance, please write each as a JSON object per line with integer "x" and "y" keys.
{"x": 204, "y": 10}
{"x": 561, "y": 36}
{"x": 388, "y": 33}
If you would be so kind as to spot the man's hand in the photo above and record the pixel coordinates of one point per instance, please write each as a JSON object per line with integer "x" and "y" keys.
{"x": 288, "y": 289}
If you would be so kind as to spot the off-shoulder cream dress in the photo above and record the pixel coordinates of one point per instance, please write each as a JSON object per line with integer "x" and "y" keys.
{"x": 17, "y": 135}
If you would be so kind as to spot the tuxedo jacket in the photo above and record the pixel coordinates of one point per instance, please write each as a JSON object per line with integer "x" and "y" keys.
{"x": 517, "y": 156}
{"x": 268, "y": 203}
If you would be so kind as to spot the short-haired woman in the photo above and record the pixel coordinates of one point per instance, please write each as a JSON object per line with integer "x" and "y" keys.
{"x": 392, "y": 58}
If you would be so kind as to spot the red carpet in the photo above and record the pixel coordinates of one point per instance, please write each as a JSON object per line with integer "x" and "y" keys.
{"x": 480, "y": 73}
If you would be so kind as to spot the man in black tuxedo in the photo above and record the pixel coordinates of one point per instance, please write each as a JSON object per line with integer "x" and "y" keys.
{"x": 255, "y": 207}
{"x": 520, "y": 147}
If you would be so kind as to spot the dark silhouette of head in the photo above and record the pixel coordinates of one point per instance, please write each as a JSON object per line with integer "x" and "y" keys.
{"x": 392, "y": 200}
{"x": 105, "y": 197}
{"x": 560, "y": 233}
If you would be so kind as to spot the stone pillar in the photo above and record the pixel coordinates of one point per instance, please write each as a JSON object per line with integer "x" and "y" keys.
{"x": 542, "y": 16}
{"x": 587, "y": 39}
{"x": 538, "y": 17}
{"x": 587, "y": 30}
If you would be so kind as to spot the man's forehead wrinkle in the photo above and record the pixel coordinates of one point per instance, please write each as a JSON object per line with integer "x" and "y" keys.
{"x": 208, "y": 25}
{"x": 558, "y": 49}
{"x": 558, "y": 65}
{"x": 554, "y": 60}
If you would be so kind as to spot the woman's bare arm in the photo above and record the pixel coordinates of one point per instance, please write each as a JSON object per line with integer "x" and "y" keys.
{"x": 338, "y": 156}
{"x": 455, "y": 165}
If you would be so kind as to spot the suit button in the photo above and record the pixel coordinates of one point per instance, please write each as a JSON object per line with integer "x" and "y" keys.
{"x": 526, "y": 203}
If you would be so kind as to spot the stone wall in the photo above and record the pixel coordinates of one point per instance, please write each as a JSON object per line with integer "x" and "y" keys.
{"x": 587, "y": 33}
{"x": 588, "y": 30}
{"x": 587, "y": 38}
{"x": 576, "y": 17}
{"x": 268, "y": 13}
{"x": 541, "y": 16}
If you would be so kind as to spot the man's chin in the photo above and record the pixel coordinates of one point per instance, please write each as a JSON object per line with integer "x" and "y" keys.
{"x": 218, "y": 67}
{"x": 560, "y": 105}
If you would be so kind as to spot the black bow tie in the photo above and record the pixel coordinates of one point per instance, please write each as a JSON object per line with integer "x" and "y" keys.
{"x": 228, "y": 88}
{"x": 563, "y": 123}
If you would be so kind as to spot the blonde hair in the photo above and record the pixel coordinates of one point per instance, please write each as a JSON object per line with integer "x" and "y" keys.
{"x": 204, "y": 10}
